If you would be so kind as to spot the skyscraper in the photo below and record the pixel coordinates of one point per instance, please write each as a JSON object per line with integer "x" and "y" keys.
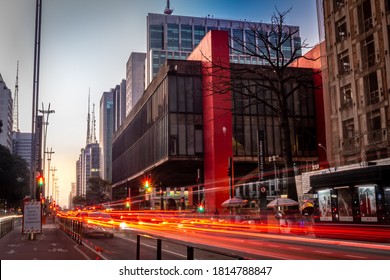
{"x": 135, "y": 79}
{"x": 106, "y": 130}
{"x": 5, "y": 115}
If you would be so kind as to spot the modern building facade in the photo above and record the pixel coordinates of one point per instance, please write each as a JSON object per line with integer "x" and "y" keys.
{"x": 89, "y": 166}
{"x": 119, "y": 99}
{"x": 180, "y": 135}
{"x": 21, "y": 145}
{"x": 135, "y": 79}
{"x": 174, "y": 37}
{"x": 106, "y": 131}
{"x": 358, "y": 60}
{"x": 6, "y": 114}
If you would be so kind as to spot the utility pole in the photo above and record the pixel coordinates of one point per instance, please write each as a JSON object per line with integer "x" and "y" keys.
{"x": 48, "y": 171}
{"x": 45, "y": 123}
{"x": 37, "y": 53}
{"x": 53, "y": 170}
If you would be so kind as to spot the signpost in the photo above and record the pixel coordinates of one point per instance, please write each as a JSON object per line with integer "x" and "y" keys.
{"x": 32, "y": 219}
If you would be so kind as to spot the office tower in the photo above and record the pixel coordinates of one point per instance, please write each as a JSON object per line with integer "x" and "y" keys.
{"x": 174, "y": 37}
{"x": 135, "y": 79}
{"x": 5, "y": 115}
{"x": 106, "y": 131}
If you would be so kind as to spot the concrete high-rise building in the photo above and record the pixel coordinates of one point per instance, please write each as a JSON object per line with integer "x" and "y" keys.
{"x": 5, "y": 115}
{"x": 89, "y": 165}
{"x": 358, "y": 60}
{"x": 106, "y": 130}
{"x": 21, "y": 145}
{"x": 175, "y": 37}
{"x": 135, "y": 79}
{"x": 120, "y": 102}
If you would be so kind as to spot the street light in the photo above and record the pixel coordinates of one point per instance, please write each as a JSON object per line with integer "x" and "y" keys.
{"x": 326, "y": 153}
{"x": 47, "y": 112}
{"x": 274, "y": 159}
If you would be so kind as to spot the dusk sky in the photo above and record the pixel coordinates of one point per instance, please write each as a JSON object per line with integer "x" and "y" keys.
{"x": 85, "y": 44}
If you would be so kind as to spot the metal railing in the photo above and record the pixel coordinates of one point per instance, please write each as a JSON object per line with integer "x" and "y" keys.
{"x": 190, "y": 248}
{"x": 73, "y": 228}
{"x": 6, "y": 226}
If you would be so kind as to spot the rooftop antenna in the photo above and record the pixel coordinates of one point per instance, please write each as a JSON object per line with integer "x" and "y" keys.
{"x": 16, "y": 101}
{"x": 89, "y": 120}
{"x": 93, "y": 126}
{"x": 168, "y": 10}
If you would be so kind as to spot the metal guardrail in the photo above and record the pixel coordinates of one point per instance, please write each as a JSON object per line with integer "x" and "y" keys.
{"x": 73, "y": 228}
{"x": 6, "y": 226}
{"x": 190, "y": 248}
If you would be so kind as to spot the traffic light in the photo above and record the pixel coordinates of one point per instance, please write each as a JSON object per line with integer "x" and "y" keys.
{"x": 201, "y": 208}
{"x": 40, "y": 181}
{"x": 229, "y": 172}
{"x": 127, "y": 202}
{"x": 146, "y": 184}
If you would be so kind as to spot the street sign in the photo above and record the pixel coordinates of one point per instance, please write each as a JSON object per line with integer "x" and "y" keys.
{"x": 32, "y": 217}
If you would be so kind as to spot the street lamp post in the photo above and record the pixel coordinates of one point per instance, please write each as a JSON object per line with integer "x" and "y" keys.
{"x": 274, "y": 159}
{"x": 45, "y": 123}
{"x": 326, "y": 152}
{"x": 48, "y": 170}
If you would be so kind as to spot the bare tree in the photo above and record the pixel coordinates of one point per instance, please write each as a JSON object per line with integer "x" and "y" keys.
{"x": 277, "y": 47}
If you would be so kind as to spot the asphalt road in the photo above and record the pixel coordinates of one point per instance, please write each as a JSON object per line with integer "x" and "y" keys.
{"x": 54, "y": 244}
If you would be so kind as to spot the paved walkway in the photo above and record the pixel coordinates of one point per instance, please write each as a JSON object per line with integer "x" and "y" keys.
{"x": 51, "y": 244}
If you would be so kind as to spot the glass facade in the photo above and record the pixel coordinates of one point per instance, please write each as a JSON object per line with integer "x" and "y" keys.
{"x": 250, "y": 115}
{"x": 168, "y": 124}
{"x": 181, "y": 34}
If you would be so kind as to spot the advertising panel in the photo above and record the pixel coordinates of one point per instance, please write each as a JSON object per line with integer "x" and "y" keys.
{"x": 367, "y": 203}
{"x": 344, "y": 201}
{"x": 325, "y": 205}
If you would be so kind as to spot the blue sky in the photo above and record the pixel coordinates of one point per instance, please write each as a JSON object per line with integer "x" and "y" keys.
{"x": 85, "y": 45}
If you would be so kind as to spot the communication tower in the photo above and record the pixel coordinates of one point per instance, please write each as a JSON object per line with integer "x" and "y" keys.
{"x": 16, "y": 102}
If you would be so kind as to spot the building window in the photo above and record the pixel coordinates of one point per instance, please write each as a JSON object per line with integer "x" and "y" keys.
{"x": 374, "y": 126}
{"x": 364, "y": 16}
{"x": 349, "y": 133}
{"x": 186, "y": 38}
{"x": 344, "y": 65}
{"x": 250, "y": 42}
{"x": 368, "y": 52}
{"x": 371, "y": 88}
{"x": 199, "y": 32}
{"x": 346, "y": 96}
{"x": 238, "y": 41}
{"x": 286, "y": 46}
{"x": 341, "y": 30}
{"x": 173, "y": 37}
{"x": 156, "y": 37}
{"x": 338, "y": 4}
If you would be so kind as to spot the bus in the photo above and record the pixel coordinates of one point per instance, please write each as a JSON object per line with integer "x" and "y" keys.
{"x": 353, "y": 204}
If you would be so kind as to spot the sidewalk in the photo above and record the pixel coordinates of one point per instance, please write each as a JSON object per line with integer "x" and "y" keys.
{"x": 51, "y": 244}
